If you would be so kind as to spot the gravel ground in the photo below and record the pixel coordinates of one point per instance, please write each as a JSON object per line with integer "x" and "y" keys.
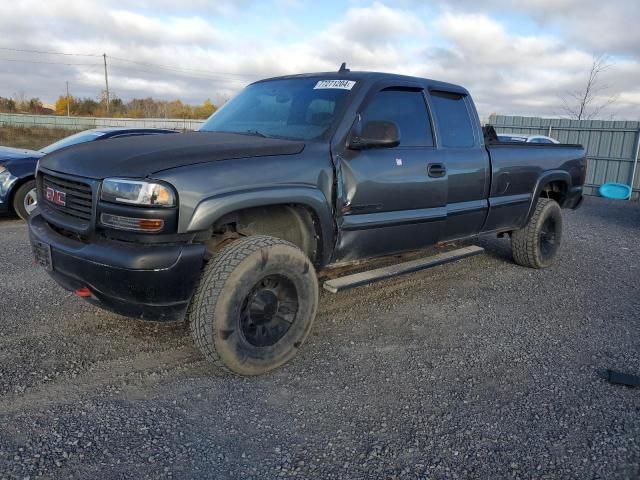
{"x": 478, "y": 369}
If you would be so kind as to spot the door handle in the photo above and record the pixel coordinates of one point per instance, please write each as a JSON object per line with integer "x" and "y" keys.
{"x": 436, "y": 170}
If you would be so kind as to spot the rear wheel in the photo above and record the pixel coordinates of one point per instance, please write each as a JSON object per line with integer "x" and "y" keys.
{"x": 536, "y": 245}
{"x": 25, "y": 200}
{"x": 255, "y": 305}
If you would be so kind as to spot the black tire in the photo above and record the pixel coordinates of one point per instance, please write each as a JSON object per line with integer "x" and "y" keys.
{"x": 536, "y": 245}
{"x": 20, "y": 199}
{"x": 254, "y": 306}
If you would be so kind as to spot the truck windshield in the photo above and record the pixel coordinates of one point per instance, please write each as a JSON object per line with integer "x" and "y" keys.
{"x": 298, "y": 109}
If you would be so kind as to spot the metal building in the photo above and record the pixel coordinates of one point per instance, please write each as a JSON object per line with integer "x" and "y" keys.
{"x": 612, "y": 145}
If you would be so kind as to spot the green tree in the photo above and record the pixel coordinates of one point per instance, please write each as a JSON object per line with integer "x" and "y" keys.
{"x": 7, "y": 105}
{"x": 35, "y": 105}
{"x": 205, "y": 110}
{"x": 61, "y": 104}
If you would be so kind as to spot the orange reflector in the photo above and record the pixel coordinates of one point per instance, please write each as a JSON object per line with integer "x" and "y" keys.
{"x": 150, "y": 225}
{"x": 83, "y": 292}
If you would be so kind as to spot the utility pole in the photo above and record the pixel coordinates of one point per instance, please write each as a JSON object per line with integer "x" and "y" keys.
{"x": 68, "y": 107}
{"x": 106, "y": 79}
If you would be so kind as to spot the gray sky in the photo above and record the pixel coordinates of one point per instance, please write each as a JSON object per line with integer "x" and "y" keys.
{"x": 516, "y": 57}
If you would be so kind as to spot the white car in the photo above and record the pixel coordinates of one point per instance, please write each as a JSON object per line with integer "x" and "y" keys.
{"x": 514, "y": 137}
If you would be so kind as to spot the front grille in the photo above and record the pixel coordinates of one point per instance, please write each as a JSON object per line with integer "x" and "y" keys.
{"x": 77, "y": 197}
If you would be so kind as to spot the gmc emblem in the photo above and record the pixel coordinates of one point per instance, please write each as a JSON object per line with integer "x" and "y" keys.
{"x": 56, "y": 196}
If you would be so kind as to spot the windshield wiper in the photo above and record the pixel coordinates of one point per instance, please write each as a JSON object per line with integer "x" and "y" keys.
{"x": 257, "y": 133}
{"x": 253, "y": 132}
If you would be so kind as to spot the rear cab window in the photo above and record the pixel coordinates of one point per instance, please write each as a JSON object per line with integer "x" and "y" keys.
{"x": 455, "y": 127}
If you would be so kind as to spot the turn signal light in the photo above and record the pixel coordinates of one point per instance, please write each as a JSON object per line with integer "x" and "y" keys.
{"x": 149, "y": 225}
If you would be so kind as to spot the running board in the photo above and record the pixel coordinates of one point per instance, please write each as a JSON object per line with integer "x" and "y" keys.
{"x": 363, "y": 278}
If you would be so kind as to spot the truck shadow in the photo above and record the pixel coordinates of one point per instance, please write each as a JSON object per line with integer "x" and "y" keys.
{"x": 499, "y": 248}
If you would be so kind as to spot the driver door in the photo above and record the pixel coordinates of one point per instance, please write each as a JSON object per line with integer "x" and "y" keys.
{"x": 392, "y": 199}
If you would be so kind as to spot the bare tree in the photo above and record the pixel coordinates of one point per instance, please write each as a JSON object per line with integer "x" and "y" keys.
{"x": 588, "y": 102}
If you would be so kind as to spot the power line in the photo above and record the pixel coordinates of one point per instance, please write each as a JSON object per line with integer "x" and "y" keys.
{"x": 133, "y": 68}
{"x": 170, "y": 67}
{"x": 225, "y": 77}
{"x": 42, "y": 61}
{"x": 127, "y": 67}
{"x": 49, "y": 53}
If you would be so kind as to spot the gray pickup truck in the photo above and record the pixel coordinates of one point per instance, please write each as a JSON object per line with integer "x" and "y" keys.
{"x": 229, "y": 225}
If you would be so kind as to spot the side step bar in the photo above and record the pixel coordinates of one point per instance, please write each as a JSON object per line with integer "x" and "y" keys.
{"x": 363, "y": 278}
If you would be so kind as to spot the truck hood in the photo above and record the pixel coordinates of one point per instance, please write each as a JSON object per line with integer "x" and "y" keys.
{"x": 145, "y": 155}
{"x": 13, "y": 154}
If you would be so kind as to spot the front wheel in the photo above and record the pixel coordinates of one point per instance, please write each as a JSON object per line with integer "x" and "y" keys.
{"x": 536, "y": 245}
{"x": 255, "y": 305}
{"x": 25, "y": 200}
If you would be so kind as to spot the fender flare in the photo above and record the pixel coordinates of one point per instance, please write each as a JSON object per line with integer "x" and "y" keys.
{"x": 543, "y": 181}
{"x": 211, "y": 209}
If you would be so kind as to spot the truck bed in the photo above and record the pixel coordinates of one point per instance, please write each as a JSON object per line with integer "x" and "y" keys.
{"x": 517, "y": 169}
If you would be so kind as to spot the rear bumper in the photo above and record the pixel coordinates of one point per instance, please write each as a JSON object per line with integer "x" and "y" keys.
{"x": 150, "y": 282}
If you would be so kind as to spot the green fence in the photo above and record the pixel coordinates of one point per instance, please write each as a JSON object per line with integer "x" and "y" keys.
{"x": 612, "y": 146}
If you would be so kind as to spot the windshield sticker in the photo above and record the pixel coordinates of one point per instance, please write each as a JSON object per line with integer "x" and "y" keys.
{"x": 341, "y": 84}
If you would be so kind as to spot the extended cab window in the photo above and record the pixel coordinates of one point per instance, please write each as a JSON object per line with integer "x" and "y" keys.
{"x": 454, "y": 122}
{"x": 408, "y": 110}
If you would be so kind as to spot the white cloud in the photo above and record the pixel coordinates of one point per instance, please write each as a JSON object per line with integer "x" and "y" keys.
{"x": 151, "y": 87}
{"x": 461, "y": 41}
{"x": 511, "y": 73}
{"x": 135, "y": 27}
{"x": 596, "y": 25}
{"x": 378, "y": 24}
{"x": 601, "y": 26}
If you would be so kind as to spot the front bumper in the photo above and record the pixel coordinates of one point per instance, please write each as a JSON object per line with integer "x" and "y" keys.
{"x": 150, "y": 282}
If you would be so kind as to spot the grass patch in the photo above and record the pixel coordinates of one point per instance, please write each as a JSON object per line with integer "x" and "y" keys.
{"x": 33, "y": 138}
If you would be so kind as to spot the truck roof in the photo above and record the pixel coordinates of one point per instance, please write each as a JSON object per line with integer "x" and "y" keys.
{"x": 370, "y": 78}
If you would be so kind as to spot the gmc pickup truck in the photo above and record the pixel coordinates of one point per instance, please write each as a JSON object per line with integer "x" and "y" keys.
{"x": 227, "y": 226}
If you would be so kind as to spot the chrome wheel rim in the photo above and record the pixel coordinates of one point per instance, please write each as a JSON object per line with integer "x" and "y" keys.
{"x": 30, "y": 201}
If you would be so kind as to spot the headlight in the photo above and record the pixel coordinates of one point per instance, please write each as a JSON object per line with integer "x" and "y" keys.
{"x": 137, "y": 192}
{"x": 6, "y": 179}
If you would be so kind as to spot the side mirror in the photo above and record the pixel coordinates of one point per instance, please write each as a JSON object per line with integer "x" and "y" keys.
{"x": 375, "y": 134}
